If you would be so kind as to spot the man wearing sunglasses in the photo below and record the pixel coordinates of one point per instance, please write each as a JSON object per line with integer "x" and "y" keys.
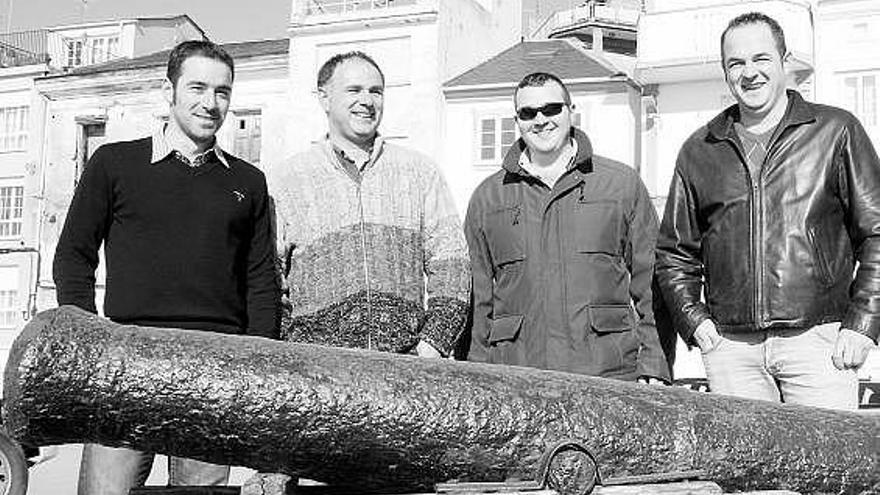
{"x": 561, "y": 244}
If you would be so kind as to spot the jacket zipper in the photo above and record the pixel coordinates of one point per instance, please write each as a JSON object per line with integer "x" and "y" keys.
{"x": 754, "y": 228}
{"x": 757, "y": 218}
{"x": 552, "y": 196}
{"x": 358, "y": 182}
{"x": 759, "y": 252}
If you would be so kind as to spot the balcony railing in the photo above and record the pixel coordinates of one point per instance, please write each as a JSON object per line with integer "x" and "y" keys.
{"x": 589, "y": 13}
{"x": 692, "y": 34}
{"x": 23, "y": 48}
{"x": 323, "y": 7}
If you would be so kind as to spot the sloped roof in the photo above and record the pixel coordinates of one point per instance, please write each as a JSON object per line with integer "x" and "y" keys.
{"x": 561, "y": 57}
{"x": 242, "y": 49}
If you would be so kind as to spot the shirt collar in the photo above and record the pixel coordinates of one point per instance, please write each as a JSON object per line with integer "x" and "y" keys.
{"x": 525, "y": 160}
{"x": 378, "y": 144}
{"x": 161, "y": 148}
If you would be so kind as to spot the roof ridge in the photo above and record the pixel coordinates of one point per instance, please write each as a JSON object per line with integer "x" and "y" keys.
{"x": 568, "y": 61}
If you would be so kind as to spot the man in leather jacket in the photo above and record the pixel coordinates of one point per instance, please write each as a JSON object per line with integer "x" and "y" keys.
{"x": 773, "y": 205}
{"x": 561, "y": 244}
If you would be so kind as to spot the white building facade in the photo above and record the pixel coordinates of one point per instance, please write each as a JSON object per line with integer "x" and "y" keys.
{"x": 848, "y": 60}
{"x": 419, "y": 44}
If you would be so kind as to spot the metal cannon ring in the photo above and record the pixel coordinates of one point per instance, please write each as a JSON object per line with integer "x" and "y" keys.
{"x": 563, "y": 446}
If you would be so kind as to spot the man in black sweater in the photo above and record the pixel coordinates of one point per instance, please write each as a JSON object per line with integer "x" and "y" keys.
{"x": 187, "y": 238}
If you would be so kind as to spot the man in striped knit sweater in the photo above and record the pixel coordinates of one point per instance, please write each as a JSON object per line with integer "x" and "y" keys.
{"x": 371, "y": 247}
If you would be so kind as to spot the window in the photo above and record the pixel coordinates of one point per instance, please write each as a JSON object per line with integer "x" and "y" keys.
{"x": 74, "y": 53}
{"x": 91, "y": 50}
{"x": 247, "y": 136}
{"x": 13, "y": 128}
{"x": 99, "y": 50}
{"x": 103, "y": 49}
{"x": 860, "y": 97}
{"x": 11, "y": 211}
{"x": 112, "y": 47}
{"x": 91, "y": 133}
{"x": 8, "y": 312}
{"x": 496, "y": 135}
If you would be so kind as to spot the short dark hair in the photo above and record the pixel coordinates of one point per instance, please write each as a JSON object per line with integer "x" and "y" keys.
{"x": 195, "y": 48}
{"x": 538, "y": 79}
{"x": 757, "y": 18}
{"x": 326, "y": 71}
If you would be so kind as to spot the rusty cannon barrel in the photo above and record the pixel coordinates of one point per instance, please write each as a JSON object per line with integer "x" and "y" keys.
{"x": 388, "y": 423}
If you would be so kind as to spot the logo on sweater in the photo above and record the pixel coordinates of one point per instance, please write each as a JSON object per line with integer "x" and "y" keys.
{"x": 239, "y": 196}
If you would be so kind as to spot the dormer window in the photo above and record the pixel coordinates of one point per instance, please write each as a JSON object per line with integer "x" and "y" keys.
{"x": 91, "y": 50}
{"x": 74, "y": 53}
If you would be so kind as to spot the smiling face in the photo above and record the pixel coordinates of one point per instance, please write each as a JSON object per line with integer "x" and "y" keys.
{"x": 200, "y": 99}
{"x": 754, "y": 70}
{"x": 353, "y": 99}
{"x": 543, "y": 135}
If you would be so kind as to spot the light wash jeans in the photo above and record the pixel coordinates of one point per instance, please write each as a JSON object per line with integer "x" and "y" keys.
{"x": 113, "y": 471}
{"x": 790, "y": 366}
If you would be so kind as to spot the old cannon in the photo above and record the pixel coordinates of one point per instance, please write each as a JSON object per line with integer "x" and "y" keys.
{"x": 381, "y": 423}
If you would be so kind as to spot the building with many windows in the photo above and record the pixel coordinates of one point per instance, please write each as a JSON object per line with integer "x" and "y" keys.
{"x": 20, "y": 123}
{"x": 847, "y": 59}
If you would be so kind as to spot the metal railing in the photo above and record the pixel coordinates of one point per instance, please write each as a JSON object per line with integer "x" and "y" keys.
{"x": 24, "y": 48}
{"x": 323, "y": 7}
{"x": 585, "y": 14}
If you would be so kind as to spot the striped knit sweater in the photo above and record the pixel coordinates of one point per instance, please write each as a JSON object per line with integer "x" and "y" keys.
{"x": 379, "y": 264}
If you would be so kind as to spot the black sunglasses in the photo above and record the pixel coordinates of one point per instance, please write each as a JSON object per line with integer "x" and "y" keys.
{"x": 548, "y": 110}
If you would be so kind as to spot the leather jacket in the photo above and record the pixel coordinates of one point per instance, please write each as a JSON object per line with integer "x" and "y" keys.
{"x": 780, "y": 250}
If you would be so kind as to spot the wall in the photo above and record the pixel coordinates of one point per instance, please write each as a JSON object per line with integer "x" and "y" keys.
{"x": 847, "y": 36}
{"x": 472, "y": 32}
{"x": 677, "y": 42}
{"x": 681, "y": 109}
{"x": 408, "y": 55}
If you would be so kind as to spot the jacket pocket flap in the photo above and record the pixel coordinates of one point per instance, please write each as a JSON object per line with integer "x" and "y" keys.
{"x": 612, "y": 318}
{"x": 505, "y": 328}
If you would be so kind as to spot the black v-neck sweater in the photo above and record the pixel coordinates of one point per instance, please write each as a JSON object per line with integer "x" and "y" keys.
{"x": 185, "y": 247}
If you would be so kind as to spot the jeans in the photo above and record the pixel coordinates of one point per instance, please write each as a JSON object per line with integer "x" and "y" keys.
{"x": 112, "y": 471}
{"x": 790, "y": 366}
